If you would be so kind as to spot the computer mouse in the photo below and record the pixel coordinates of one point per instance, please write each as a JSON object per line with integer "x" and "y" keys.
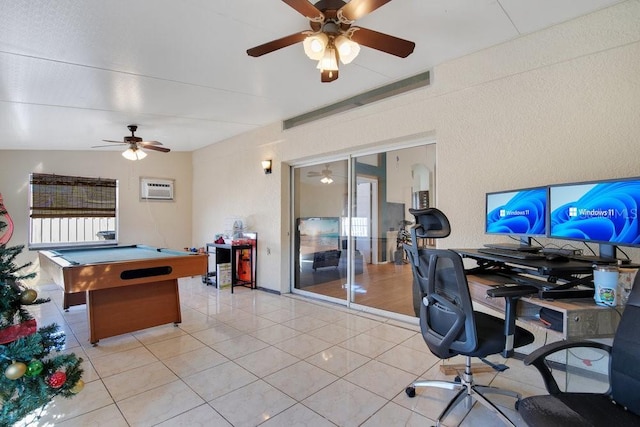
{"x": 556, "y": 257}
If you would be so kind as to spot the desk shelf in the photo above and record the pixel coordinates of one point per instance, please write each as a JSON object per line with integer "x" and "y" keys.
{"x": 581, "y": 318}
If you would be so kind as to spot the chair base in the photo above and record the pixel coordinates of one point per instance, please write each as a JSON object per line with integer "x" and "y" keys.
{"x": 466, "y": 388}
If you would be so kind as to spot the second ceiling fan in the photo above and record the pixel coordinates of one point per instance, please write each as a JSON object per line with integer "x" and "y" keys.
{"x": 326, "y": 175}
{"x": 333, "y": 37}
{"x": 135, "y": 144}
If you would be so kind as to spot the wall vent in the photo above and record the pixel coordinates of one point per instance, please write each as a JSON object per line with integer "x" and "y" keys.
{"x": 396, "y": 88}
{"x": 156, "y": 189}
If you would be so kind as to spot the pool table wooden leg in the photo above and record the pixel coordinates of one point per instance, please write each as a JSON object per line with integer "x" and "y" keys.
{"x": 71, "y": 299}
{"x": 116, "y": 311}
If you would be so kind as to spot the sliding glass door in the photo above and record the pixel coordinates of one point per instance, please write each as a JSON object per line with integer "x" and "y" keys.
{"x": 320, "y": 239}
{"x": 386, "y": 186}
{"x": 351, "y": 218}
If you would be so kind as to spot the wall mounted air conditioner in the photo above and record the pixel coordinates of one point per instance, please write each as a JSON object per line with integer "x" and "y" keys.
{"x": 156, "y": 189}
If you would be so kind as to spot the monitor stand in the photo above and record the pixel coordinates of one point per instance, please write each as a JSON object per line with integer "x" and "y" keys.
{"x": 607, "y": 255}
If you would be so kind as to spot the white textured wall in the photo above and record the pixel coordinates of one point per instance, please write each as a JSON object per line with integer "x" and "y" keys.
{"x": 161, "y": 224}
{"x": 555, "y": 106}
{"x": 560, "y": 105}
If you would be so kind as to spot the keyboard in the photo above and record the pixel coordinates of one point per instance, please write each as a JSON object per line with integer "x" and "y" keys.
{"x": 512, "y": 247}
{"x": 511, "y": 254}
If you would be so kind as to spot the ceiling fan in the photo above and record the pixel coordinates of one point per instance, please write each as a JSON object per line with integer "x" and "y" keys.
{"x": 333, "y": 37}
{"x": 134, "y": 151}
{"x": 326, "y": 174}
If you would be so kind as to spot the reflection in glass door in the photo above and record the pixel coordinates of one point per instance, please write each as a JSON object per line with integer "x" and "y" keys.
{"x": 320, "y": 205}
{"x": 386, "y": 186}
{"x": 350, "y": 248}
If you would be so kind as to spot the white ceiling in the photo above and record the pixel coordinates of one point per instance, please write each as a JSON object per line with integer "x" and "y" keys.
{"x": 75, "y": 72}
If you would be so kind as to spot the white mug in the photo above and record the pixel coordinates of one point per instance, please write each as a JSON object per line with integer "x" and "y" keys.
{"x": 605, "y": 281}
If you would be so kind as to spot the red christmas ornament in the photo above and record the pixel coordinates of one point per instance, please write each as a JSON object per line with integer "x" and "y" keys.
{"x": 57, "y": 379}
{"x": 6, "y": 236}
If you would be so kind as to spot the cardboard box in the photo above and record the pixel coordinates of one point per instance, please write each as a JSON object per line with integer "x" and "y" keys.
{"x": 223, "y": 275}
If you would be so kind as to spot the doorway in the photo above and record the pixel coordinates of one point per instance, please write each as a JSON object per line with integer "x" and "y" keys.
{"x": 364, "y": 224}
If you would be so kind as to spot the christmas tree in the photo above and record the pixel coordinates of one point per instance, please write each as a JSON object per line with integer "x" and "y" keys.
{"x": 32, "y": 371}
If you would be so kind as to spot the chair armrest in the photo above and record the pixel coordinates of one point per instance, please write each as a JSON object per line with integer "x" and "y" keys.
{"x": 537, "y": 359}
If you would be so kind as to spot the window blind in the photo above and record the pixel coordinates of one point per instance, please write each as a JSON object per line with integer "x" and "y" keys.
{"x": 59, "y": 196}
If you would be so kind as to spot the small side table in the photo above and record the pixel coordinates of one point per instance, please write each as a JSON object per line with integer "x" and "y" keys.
{"x": 231, "y": 252}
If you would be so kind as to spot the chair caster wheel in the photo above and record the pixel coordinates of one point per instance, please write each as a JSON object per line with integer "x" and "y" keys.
{"x": 411, "y": 391}
{"x": 457, "y": 379}
{"x": 515, "y": 405}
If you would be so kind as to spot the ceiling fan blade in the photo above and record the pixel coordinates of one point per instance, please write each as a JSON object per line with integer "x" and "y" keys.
{"x": 356, "y": 9}
{"x": 305, "y": 8}
{"x": 155, "y": 148}
{"x": 151, "y": 142}
{"x": 115, "y": 142}
{"x": 101, "y": 146}
{"x": 277, "y": 44}
{"x": 384, "y": 42}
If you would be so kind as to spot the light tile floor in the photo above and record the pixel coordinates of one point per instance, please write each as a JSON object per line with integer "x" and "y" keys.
{"x": 256, "y": 358}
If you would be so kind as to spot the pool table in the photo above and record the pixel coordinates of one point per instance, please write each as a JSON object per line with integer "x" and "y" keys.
{"x": 126, "y": 288}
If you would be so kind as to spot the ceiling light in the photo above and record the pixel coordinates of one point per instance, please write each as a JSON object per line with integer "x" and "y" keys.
{"x": 326, "y": 180}
{"x": 329, "y": 60}
{"x": 314, "y": 45}
{"x": 347, "y": 49}
{"x": 326, "y": 46}
{"x": 328, "y": 65}
{"x": 134, "y": 154}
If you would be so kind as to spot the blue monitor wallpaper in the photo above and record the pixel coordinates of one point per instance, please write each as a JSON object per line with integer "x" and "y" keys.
{"x": 518, "y": 213}
{"x": 604, "y": 212}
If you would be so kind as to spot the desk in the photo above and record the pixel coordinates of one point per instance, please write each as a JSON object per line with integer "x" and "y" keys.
{"x": 541, "y": 266}
{"x": 581, "y": 317}
{"x": 555, "y": 278}
{"x": 227, "y": 252}
{"x": 126, "y": 288}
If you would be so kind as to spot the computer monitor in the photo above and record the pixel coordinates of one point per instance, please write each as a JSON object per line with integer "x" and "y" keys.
{"x": 602, "y": 212}
{"x": 517, "y": 213}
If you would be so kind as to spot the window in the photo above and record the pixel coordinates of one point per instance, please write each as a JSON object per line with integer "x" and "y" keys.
{"x": 72, "y": 210}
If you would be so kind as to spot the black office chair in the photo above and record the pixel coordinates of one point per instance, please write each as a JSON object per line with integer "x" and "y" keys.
{"x": 432, "y": 224}
{"x": 449, "y": 325}
{"x": 619, "y": 406}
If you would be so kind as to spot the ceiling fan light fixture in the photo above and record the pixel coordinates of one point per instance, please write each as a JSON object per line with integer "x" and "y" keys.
{"x": 326, "y": 180}
{"x": 332, "y": 30}
{"x": 134, "y": 154}
{"x": 315, "y": 45}
{"x": 329, "y": 61}
{"x": 347, "y": 48}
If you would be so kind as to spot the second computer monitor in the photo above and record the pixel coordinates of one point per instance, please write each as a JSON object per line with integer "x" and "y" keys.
{"x": 604, "y": 212}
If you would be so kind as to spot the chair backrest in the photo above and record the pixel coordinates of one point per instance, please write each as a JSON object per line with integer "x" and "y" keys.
{"x": 430, "y": 223}
{"x": 624, "y": 368}
{"x": 446, "y": 310}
